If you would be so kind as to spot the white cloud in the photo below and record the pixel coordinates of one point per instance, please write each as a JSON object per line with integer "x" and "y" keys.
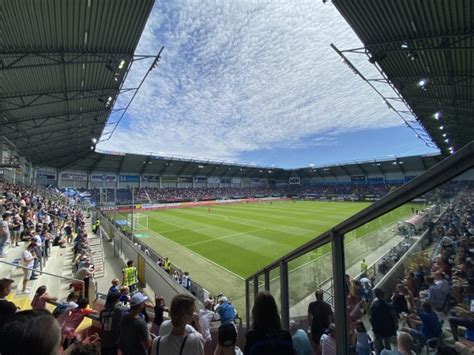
{"x": 239, "y": 76}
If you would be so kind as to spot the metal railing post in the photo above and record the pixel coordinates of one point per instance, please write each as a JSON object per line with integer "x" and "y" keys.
{"x": 284, "y": 299}
{"x": 267, "y": 280}
{"x": 247, "y": 303}
{"x": 255, "y": 286}
{"x": 339, "y": 272}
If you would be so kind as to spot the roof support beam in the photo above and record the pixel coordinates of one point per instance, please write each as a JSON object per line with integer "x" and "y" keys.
{"x": 21, "y": 60}
{"x": 66, "y": 98}
{"x": 345, "y": 170}
{"x": 59, "y": 115}
{"x": 400, "y": 165}
{"x": 68, "y": 165}
{"x": 122, "y": 161}
{"x": 97, "y": 161}
{"x": 146, "y": 163}
{"x": 59, "y": 94}
{"x": 75, "y": 129}
{"x": 362, "y": 169}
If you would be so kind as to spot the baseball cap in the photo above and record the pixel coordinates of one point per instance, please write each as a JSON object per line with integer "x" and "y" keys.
{"x": 227, "y": 335}
{"x": 138, "y": 298}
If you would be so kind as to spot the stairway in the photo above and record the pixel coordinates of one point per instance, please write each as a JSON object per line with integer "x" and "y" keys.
{"x": 97, "y": 251}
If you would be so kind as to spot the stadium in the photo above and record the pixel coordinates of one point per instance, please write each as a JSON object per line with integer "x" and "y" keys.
{"x": 127, "y": 200}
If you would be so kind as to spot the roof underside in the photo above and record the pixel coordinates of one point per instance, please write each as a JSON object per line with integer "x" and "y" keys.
{"x": 61, "y": 71}
{"x": 142, "y": 164}
{"x": 423, "y": 39}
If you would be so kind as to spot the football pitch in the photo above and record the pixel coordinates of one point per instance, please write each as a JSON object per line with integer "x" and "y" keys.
{"x": 221, "y": 245}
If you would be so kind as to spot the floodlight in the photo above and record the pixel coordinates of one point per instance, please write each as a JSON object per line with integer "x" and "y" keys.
{"x": 444, "y": 135}
{"x": 423, "y": 82}
{"x": 405, "y": 45}
{"x": 94, "y": 140}
{"x": 441, "y": 127}
{"x": 447, "y": 140}
{"x": 121, "y": 64}
{"x": 437, "y": 115}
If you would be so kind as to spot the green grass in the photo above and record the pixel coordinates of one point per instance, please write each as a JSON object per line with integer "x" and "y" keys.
{"x": 245, "y": 237}
{"x": 222, "y": 247}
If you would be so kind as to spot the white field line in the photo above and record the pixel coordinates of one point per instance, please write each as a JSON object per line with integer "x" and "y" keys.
{"x": 180, "y": 229}
{"x": 224, "y": 237}
{"x": 200, "y": 256}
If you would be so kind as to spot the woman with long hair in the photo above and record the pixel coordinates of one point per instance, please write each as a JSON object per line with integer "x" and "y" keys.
{"x": 267, "y": 336}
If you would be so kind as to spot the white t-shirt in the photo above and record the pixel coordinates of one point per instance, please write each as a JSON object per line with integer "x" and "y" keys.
{"x": 37, "y": 238}
{"x": 205, "y": 318}
{"x": 328, "y": 345}
{"x": 172, "y": 345}
{"x": 166, "y": 326}
{"x": 25, "y": 259}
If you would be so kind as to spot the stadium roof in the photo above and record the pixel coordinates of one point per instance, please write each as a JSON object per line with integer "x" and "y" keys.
{"x": 127, "y": 163}
{"x": 425, "y": 49}
{"x": 115, "y": 162}
{"x": 418, "y": 163}
{"x": 63, "y": 64}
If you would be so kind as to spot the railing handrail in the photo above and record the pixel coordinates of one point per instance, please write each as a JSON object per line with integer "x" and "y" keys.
{"x": 444, "y": 171}
{"x": 47, "y": 273}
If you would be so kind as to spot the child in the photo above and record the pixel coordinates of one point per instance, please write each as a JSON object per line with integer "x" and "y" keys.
{"x": 41, "y": 297}
{"x": 114, "y": 287}
{"x": 362, "y": 346}
{"x": 124, "y": 295}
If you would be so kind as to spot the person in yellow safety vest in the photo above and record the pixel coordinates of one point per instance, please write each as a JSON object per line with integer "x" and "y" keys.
{"x": 130, "y": 276}
{"x": 167, "y": 266}
{"x": 95, "y": 226}
{"x": 363, "y": 267}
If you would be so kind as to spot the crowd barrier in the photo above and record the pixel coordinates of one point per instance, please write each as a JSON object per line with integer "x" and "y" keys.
{"x": 150, "y": 274}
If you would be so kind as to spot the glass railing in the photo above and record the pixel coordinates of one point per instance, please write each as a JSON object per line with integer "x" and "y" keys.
{"x": 419, "y": 228}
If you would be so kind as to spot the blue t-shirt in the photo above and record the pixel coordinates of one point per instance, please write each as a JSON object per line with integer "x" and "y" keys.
{"x": 431, "y": 327}
{"x": 226, "y": 313}
{"x": 301, "y": 344}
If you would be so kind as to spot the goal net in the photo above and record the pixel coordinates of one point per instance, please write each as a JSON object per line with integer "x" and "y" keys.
{"x": 140, "y": 221}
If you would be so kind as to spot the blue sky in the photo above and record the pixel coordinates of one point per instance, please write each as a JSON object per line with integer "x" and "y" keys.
{"x": 256, "y": 81}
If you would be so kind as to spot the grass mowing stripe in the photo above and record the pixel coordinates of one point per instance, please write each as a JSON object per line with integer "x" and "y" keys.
{"x": 224, "y": 237}
{"x": 245, "y": 221}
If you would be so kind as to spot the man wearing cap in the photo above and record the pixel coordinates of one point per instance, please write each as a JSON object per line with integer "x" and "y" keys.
{"x": 134, "y": 336}
{"x": 227, "y": 315}
{"x": 7, "y": 308}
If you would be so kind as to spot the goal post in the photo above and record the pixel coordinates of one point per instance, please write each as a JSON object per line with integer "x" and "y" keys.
{"x": 140, "y": 221}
